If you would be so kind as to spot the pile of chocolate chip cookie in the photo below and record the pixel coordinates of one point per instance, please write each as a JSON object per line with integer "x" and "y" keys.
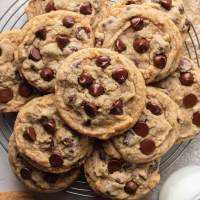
{"x": 98, "y": 84}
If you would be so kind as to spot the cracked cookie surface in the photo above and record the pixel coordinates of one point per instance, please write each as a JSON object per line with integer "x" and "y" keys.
{"x": 99, "y": 92}
{"x": 47, "y": 40}
{"x": 45, "y": 141}
{"x": 183, "y": 86}
{"x": 153, "y": 43}
{"x": 117, "y": 179}
{"x": 153, "y": 135}
{"x": 14, "y": 90}
{"x": 35, "y": 179}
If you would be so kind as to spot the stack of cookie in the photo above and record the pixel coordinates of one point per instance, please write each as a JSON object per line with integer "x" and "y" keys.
{"x": 98, "y": 84}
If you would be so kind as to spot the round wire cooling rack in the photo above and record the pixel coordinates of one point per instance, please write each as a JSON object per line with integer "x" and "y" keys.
{"x": 14, "y": 17}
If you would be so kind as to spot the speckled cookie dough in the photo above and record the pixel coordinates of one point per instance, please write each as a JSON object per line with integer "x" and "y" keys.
{"x": 14, "y": 90}
{"x": 153, "y": 43}
{"x": 184, "y": 88}
{"x": 88, "y": 8}
{"x": 99, "y": 92}
{"x": 153, "y": 135}
{"x": 45, "y": 141}
{"x": 173, "y": 8}
{"x": 119, "y": 180}
{"x": 35, "y": 179}
{"x": 47, "y": 41}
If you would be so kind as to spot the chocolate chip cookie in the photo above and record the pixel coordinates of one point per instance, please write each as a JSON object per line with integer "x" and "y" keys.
{"x": 153, "y": 135}
{"x": 14, "y": 90}
{"x": 153, "y": 43}
{"x": 99, "y": 92}
{"x": 184, "y": 88}
{"x": 35, "y": 179}
{"x": 45, "y": 141}
{"x": 88, "y": 8}
{"x": 117, "y": 179}
{"x": 47, "y": 41}
{"x": 173, "y": 8}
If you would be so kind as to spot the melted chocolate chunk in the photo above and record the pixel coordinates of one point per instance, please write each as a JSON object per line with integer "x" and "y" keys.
{"x": 26, "y": 173}
{"x": 86, "y": 8}
{"x": 141, "y": 45}
{"x": 62, "y": 41}
{"x": 55, "y": 160}
{"x": 49, "y": 125}
{"x": 156, "y": 110}
{"x": 68, "y": 22}
{"x": 117, "y": 108}
{"x": 167, "y": 4}
{"x": 186, "y": 78}
{"x": 96, "y": 90}
{"x": 47, "y": 74}
{"x": 119, "y": 46}
{"x": 25, "y": 90}
{"x": 190, "y": 100}
{"x": 35, "y": 54}
{"x": 147, "y": 146}
{"x": 41, "y": 34}
{"x": 103, "y": 61}
{"x": 90, "y": 109}
{"x": 85, "y": 80}
{"x": 30, "y": 134}
{"x": 114, "y": 165}
{"x": 120, "y": 75}
{"x": 6, "y": 95}
{"x": 160, "y": 61}
{"x": 141, "y": 129}
{"x": 137, "y": 23}
{"x": 131, "y": 187}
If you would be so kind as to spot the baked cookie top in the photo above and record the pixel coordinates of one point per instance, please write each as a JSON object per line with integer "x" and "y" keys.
{"x": 45, "y": 141}
{"x": 153, "y": 43}
{"x": 35, "y": 179}
{"x": 88, "y": 8}
{"x": 99, "y": 92}
{"x": 117, "y": 179}
{"x": 47, "y": 40}
{"x": 183, "y": 86}
{"x": 153, "y": 135}
{"x": 14, "y": 90}
{"x": 173, "y": 8}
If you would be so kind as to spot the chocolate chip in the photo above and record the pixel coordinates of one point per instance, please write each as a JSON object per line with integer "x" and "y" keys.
{"x": 55, "y": 160}
{"x": 68, "y": 142}
{"x": 41, "y": 34}
{"x": 88, "y": 122}
{"x": 68, "y": 22}
{"x": 50, "y": 178}
{"x": 196, "y": 119}
{"x": 117, "y": 108}
{"x": 119, "y": 46}
{"x": 49, "y": 125}
{"x": 131, "y": 187}
{"x": 103, "y": 61}
{"x": 114, "y": 165}
{"x": 167, "y": 4}
{"x": 0, "y": 51}
{"x": 141, "y": 45}
{"x": 190, "y": 100}
{"x": 186, "y": 78}
{"x": 35, "y": 54}
{"x": 141, "y": 129}
{"x": 137, "y": 23}
{"x": 30, "y": 134}
{"x": 120, "y": 75}
{"x": 25, "y": 90}
{"x": 85, "y": 80}
{"x": 147, "y": 146}
{"x": 62, "y": 41}
{"x": 156, "y": 110}
{"x": 96, "y": 90}
{"x": 50, "y": 7}
{"x": 90, "y": 109}
{"x": 82, "y": 33}
{"x": 160, "y": 61}
{"x": 6, "y": 95}
{"x": 86, "y": 8}
{"x": 47, "y": 74}
{"x": 26, "y": 173}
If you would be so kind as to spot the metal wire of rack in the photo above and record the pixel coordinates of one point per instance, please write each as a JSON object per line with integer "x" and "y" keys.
{"x": 14, "y": 17}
